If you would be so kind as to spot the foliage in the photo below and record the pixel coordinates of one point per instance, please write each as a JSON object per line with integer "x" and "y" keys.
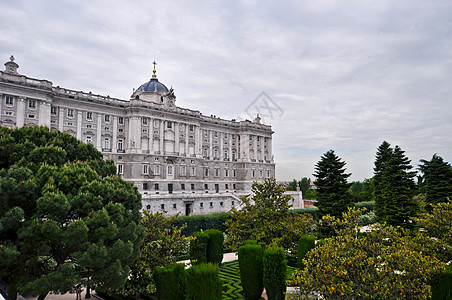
{"x": 442, "y": 285}
{"x": 306, "y": 243}
{"x": 332, "y": 186}
{"x": 251, "y": 270}
{"x": 65, "y": 217}
{"x": 356, "y": 189}
{"x": 437, "y": 179}
{"x": 367, "y": 193}
{"x": 275, "y": 266}
{"x": 302, "y": 184}
{"x": 311, "y": 194}
{"x": 162, "y": 244}
{"x": 265, "y": 217}
{"x": 202, "y": 222}
{"x": 204, "y": 282}
{"x": 171, "y": 282}
{"x": 368, "y": 205}
{"x": 198, "y": 247}
{"x": 384, "y": 263}
{"x": 437, "y": 230}
{"x": 394, "y": 187}
{"x": 215, "y": 246}
{"x": 311, "y": 211}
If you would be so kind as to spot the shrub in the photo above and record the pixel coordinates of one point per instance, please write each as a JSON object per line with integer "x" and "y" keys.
{"x": 202, "y": 222}
{"x": 198, "y": 247}
{"x": 369, "y": 205}
{"x": 442, "y": 285}
{"x": 310, "y": 211}
{"x": 171, "y": 282}
{"x": 275, "y": 266}
{"x": 306, "y": 243}
{"x": 215, "y": 246}
{"x": 204, "y": 282}
{"x": 251, "y": 270}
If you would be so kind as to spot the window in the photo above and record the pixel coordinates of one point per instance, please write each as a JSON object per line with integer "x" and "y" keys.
{"x": 233, "y": 156}
{"x": 89, "y": 116}
{"x": 144, "y": 121}
{"x": 148, "y": 207}
{"x": 206, "y": 186}
{"x": 191, "y": 128}
{"x": 261, "y": 173}
{"x": 233, "y": 186}
{"x": 182, "y": 186}
{"x": 204, "y": 153}
{"x": 106, "y": 143}
{"x": 169, "y": 124}
{"x": 206, "y": 172}
{"x": 89, "y": 126}
{"x": 120, "y": 129}
{"x": 205, "y": 132}
{"x": 215, "y": 154}
{"x": 120, "y": 168}
{"x": 226, "y": 186}
{"x": 170, "y": 170}
{"x": 32, "y": 104}
{"x": 232, "y": 202}
{"x": 182, "y": 170}
{"x": 226, "y": 156}
{"x": 225, "y": 135}
{"x": 121, "y": 121}
{"x": 253, "y": 173}
{"x": 193, "y": 171}
{"x": 221, "y": 203}
{"x": 107, "y": 128}
{"x": 226, "y": 173}
{"x": 89, "y": 139}
{"x": 234, "y": 173}
{"x": 217, "y": 172}
{"x": 145, "y": 186}
{"x": 162, "y": 206}
{"x": 70, "y": 113}
{"x": 211, "y": 204}
{"x": 156, "y": 186}
{"x": 157, "y": 170}
{"x": 192, "y": 186}
{"x": 174, "y": 206}
{"x": 9, "y": 100}
{"x": 107, "y": 118}
{"x": 145, "y": 169}
{"x": 31, "y": 116}
{"x": 120, "y": 144}
{"x": 53, "y": 110}
{"x": 215, "y": 134}
{"x": 70, "y": 124}
{"x": 201, "y": 205}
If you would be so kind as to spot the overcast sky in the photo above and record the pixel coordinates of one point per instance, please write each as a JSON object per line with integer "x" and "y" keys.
{"x": 341, "y": 75}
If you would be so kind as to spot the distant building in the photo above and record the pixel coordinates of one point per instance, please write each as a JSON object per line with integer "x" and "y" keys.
{"x": 180, "y": 160}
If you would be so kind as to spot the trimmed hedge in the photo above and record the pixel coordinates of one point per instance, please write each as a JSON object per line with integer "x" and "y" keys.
{"x": 442, "y": 285}
{"x": 202, "y": 222}
{"x": 215, "y": 246}
{"x": 311, "y": 211}
{"x": 306, "y": 243}
{"x": 251, "y": 270}
{"x": 198, "y": 248}
{"x": 275, "y": 266}
{"x": 171, "y": 282}
{"x": 204, "y": 282}
{"x": 369, "y": 205}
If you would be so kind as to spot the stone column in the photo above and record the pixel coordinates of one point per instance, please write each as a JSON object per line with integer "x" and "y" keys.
{"x": 176, "y": 137}
{"x": 270, "y": 150}
{"x": 162, "y": 137}
{"x": 61, "y": 119}
{"x": 79, "y": 126}
{"x": 230, "y": 147}
{"x": 245, "y": 147}
{"x": 99, "y": 132}
{"x": 262, "y": 140}
{"x": 197, "y": 144}
{"x": 44, "y": 114}
{"x": 151, "y": 135}
{"x": 210, "y": 144}
{"x": 255, "y": 146}
{"x": 221, "y": 145}
{"x": 114, "y": 147}
{"x": 20, "y": 117}
{"x": 186, "y": 139}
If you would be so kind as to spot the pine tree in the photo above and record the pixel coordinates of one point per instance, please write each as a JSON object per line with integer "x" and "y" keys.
{"x": 437, "y": 179}
{"x": 384, "y": 153}
{"x": 396, "y": 189}
{"x": 332, "y": 186}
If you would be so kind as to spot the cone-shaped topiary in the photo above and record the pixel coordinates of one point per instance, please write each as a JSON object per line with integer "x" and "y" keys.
{"x": 171, "y": 282}
{"x": 306, "y": 243}
{"x": 215, "y": 246}
{"x": 204, "y": 282}
{"x": 198, "y": 247}
{"x": 275, "y": 266}
{"x": 251, "y": 270}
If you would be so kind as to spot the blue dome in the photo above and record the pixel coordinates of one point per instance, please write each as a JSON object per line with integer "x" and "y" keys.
{"x": 153, "y": 86}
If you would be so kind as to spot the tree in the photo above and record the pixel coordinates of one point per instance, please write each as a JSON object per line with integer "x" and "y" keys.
{"x": 62, "y": 223}
{"x": 332, "y": 187}
{"x": 311, "y": 194}
{"x": 437, "y": 179}
{"x": 394, "y": 188}
{"x": 163, "y": 243}
{"x": 303, "y": 184}
{"x": 384, "y": 153}
{"x": 384, "y": 263}
{"x": 265, "y": 217}
{"x": 368, "y": 190}
{"x": 356, "y": 189}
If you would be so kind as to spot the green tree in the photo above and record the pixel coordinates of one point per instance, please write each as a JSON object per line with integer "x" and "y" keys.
{"x": 356, "y": 189}
{"x": 311, "y": 194}
{"x": 437, "y": 178}
{"x": 332, "y": 187}
{"x": 305, "y": 184}
{"x": 396, "y": 189}
{"x": 368, "y": 189}
{"x": 384, "y": 153}
{"x": 62, "y": 223}
{"x": 385, "y": 263}
{"x": 163, "y": 243}
{"x": 265, "y": 217}
{"x": 292, "y": 186}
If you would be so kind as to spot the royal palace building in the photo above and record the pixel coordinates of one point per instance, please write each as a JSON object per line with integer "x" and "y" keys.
{"x": 180, "y": 160}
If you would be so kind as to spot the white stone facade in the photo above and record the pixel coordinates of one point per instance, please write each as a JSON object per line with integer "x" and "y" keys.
{"x": 180, "y": 160}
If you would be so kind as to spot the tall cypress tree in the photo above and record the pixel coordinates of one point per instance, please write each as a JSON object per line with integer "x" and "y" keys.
{"x": 437, "y": 178}
{"x": 384, "y": 153}
{"x": 396, "y": 187}
{"x": 332, "y": 185}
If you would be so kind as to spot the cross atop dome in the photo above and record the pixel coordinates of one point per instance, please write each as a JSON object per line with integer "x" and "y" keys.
{"x": 154, "y": 63}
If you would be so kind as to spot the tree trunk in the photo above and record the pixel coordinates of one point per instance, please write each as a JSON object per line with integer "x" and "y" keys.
{"x": 42, "y": 297}
{"x": 88, "y": 293}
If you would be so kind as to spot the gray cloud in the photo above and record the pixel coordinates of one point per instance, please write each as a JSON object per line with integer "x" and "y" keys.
{"x": 347, "y": 74}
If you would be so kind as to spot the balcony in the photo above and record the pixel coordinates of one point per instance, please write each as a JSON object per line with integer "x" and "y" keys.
{"x": 106, "y": 150}
{"x": 121, "y": 151}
